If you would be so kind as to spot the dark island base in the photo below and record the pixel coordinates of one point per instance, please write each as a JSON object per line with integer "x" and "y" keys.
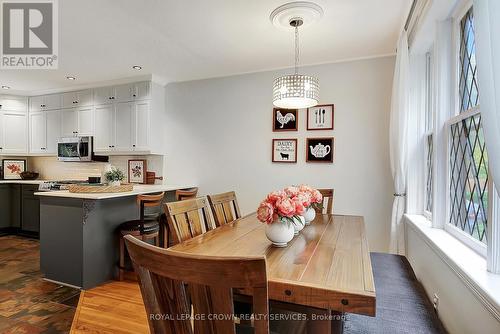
{"x": 78, "y": 239}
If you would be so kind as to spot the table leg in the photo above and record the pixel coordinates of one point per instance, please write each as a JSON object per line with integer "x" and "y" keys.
{"x": 325, "y": 321}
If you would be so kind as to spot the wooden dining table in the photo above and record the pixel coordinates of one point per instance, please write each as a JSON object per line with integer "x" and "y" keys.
{"x": 323, "y": 272}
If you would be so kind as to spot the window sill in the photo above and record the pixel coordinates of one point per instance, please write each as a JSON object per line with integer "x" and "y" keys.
{"x": 468, "y": 265}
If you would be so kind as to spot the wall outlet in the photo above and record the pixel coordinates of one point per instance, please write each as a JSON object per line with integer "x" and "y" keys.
{"x": 435, "y": 301}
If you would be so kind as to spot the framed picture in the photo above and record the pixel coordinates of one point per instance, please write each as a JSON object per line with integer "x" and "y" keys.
{"x": 285, "y": 119}
{"x": 319, "y": 149}
{"x": 285, "y": 150}
{"x": 320, "y": 117}
{"x": 137, "y": 171}
{"x": 13, "y": 168}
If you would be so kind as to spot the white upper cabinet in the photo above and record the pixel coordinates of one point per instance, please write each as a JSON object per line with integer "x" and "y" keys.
{"x": 45, "y": 102}
{"x": 124, "y": 93}
{"x": 13, "y": 103}
{"x": 38, "y": 132}
{"x": 123, "y": 119}
{"x": 77, "y": 99}
{"x": 53, "y": 132}
{"x": 141, "y": 126}
{"x": 141, "y": 91}
{"x": 124, "y": 127}
{"x": 104, "y": 127}
{"x": 104, "y": 95}
{"x": 14, "y": 132}
{"x": 77, "y": 122}
{"x": 69, "y": 122}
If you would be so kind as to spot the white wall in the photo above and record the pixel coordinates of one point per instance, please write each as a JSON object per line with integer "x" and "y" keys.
{"x": 460, "y": 310}
{"x": 220, "y": 134}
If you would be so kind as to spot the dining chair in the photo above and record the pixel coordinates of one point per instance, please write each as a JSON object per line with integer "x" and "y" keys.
{"x": 224, "y": 207}
{"x": 181, "y": 195}
{"x": 167, "y": 277}
{"x": 187, "y": 219}
{"x": 147, "y": 227}
{"x": 327, "y": 200}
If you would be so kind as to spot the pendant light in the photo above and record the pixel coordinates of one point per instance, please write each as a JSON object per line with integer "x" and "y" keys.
{"x": 296, "y": 91}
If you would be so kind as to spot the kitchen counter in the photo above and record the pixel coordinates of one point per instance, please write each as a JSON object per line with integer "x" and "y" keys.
{"x": 22, "y": 181}
{"x": 138, "y": 189}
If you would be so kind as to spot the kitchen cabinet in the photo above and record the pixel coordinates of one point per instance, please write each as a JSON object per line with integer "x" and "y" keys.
{"x": 77, "y": 99}
{"x": 104, "y": 127}
{"x": 141, "y": 126}
{"x": 13, "y": 132}
{"x": 45, "y": 102}
{"x": 38, "y": 132}
{"x": 13, "y": 103}
{"x": 77, "y": 122}
{"x": 30, "y": 214}
{"x": 45, "y": 130}
{"x": 5, "y": 206}
{"x": 132, "y": 92}
{"x": 104, "y": 95}
{"x": 122, "y": 127}
{"x": 10, "y": 204}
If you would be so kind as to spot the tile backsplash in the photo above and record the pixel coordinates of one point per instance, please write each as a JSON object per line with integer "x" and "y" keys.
{"x": 52, "y": 169}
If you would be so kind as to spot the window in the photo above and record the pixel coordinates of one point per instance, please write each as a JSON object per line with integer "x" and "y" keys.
{"x": 429, "y": 145}
{"x": 468, "y": 165}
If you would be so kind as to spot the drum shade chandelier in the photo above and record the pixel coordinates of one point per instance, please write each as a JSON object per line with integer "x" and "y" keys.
{"x": 296, "y": 91}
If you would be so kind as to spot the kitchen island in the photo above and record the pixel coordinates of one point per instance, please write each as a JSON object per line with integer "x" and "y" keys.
{"x": 78, "y": 239}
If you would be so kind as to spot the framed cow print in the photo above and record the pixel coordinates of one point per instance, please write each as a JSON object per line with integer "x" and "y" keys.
{"x": 319, "y": 149}
{"x": 285, "y": 150}
{"x": 285, "y": 119}
{"x": 320, "y": 117}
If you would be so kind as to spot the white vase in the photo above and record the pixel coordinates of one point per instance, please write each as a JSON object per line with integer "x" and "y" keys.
{"x": 114, "y": 183}
{"x": 298, "y": 224}
{"x": 309, "y": 215}
{"x": 279, "y": 233}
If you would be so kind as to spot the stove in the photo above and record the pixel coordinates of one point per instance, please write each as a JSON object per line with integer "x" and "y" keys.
{"x": 58, "y": 185}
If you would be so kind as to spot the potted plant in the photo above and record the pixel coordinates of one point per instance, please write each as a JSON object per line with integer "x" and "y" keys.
{"x": 114, "y": 176}
{"x": 281, "y": 212}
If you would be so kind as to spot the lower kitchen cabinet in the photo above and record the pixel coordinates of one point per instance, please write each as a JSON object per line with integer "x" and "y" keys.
{"x": 30, "y": 214}
{"x": 19, "y": 210}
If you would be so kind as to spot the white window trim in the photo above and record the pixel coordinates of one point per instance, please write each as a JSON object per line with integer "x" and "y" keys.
{"x": 427, "y": 214}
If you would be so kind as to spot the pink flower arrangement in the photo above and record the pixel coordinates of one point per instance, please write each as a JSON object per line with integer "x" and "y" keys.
{"x": 288, "y": 203}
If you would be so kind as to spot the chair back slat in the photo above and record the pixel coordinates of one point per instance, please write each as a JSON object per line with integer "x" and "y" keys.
{"x": 224, "y": 207}
{"x": 150, "y": 200}
{"x": 189, "y": 218}
{"x": 184, "y": 194}
{"x": 327, "y": 200}
{"x": 164, "y": 274}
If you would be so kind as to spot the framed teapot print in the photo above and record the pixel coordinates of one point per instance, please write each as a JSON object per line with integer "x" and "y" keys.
{"x": 320, "y": 149}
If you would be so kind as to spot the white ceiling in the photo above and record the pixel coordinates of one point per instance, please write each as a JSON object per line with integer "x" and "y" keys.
{"x": 179, "y": 40}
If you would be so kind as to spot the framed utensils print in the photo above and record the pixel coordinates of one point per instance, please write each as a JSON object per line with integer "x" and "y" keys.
{"x": 320, "y": 149}
{"x": 320, "y": 117}
{"x": 285, "y": 119}
{"x": 284, "y": 150}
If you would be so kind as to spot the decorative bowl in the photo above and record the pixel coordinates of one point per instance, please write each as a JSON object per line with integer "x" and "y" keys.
{"x": 29, "y": 175}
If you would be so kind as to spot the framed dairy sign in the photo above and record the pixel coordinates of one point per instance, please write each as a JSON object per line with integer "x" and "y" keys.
{"x": 319, "y": 149}
{"x": 285, "y": 150}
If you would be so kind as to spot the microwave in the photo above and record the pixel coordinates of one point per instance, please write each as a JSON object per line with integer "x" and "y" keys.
{"x": 75, "y": 149}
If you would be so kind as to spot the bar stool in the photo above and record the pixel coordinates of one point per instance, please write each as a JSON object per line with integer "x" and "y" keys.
{"x": 184, "y": 194}
{"x": 147, "y": 227}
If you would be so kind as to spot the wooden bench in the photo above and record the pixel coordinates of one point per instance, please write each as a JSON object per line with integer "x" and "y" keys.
{"x": 402, "y": 305}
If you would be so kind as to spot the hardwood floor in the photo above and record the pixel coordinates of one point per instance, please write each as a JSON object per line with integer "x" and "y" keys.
{"x": 29, "y": 304}
{"x": 115, "y": 307}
